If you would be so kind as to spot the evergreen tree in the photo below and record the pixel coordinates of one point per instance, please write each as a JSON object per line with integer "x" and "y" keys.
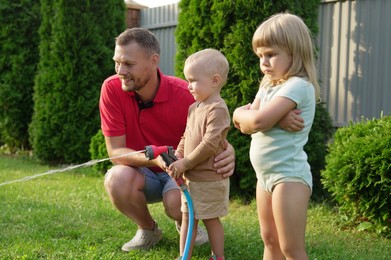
{"x": 76, "y": 48}
{"x": 19, "y": 23}
{"x": 228, "y": 26}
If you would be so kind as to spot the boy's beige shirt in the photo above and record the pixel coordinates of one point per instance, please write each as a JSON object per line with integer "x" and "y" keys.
{"x": 204, "y": 138}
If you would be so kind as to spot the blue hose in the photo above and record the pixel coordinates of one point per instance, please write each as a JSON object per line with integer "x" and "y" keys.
{"x": 167, "y": 153}
{"x": 191, "y": 222}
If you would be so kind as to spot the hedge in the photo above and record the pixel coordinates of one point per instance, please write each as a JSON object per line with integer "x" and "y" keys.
{"x": 19, "y": 22}
{"x": 76, "y": 48}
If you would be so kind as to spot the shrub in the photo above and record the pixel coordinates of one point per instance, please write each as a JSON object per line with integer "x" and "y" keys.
{"x": 76, "y": 48}
{"x": 19, "y": 22}
{"x": 98, "y": 151}
{"x": 316, "y": 148}
{"x": 358, "y": 173}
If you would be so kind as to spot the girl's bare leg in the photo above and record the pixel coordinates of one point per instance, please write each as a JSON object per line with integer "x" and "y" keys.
{"x": 290, "y": 204}
{"x": 267, "y": 225}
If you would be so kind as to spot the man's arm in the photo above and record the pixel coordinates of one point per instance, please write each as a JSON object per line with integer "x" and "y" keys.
{"x": 225, "y": 161}
{"x": 292, "y": 122}
{"x": 116, "y": 146}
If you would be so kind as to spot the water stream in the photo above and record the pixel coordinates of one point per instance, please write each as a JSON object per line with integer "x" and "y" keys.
{"x": 68, "y": 168}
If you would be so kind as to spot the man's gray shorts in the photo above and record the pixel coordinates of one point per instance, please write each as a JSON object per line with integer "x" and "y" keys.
{"x": 156, "y": 184}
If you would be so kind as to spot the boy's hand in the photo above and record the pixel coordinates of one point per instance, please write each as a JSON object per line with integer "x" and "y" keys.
{"x": 176, "y": 169}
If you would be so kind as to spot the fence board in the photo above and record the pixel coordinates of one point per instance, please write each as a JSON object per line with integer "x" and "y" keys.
{"x": 162, "y": 22}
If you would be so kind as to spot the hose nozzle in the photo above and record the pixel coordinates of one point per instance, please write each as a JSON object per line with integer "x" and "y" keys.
{"x": 153, "y": 151}
{"x": 168, "y": 155}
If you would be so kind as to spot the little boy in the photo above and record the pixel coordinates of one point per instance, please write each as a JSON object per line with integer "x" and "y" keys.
{"x": 207, "y": 126}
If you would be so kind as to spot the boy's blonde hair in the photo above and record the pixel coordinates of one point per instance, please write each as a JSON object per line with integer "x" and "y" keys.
{"x": 212, "y": 62}
{"x": 289, "y": 32}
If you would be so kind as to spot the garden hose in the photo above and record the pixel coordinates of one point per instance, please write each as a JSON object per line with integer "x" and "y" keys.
{"x": 167, "y": 153}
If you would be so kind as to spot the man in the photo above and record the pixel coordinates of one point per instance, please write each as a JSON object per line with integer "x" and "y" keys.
{"x": 140, "y": 106}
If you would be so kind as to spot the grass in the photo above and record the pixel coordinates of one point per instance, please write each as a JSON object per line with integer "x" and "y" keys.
{"x": 68, "y": 216}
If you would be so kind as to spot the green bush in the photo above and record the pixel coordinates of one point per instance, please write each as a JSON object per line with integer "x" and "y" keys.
{"x": 229, "y": 26}
{"x": 98, "y": 151}
{"x": 316, "y": 148}
{"x": 358, "y": 173}
{"x": 76, "y": 48}
{"x": 19, "y": 22}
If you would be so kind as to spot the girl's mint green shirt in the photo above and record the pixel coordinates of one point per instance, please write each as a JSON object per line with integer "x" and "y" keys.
{"x": 277, "y": 151}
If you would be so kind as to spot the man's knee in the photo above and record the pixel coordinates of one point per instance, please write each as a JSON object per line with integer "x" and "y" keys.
{"x": 172, "y": 204}
{"x": 120, "y": 176}
{"x": 110, "y": 178}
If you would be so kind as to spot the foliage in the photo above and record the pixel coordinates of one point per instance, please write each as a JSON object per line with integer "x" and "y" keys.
{"x": 358, "y": 173}
{"x": 316, "y": 148}
{"x": 98, "y": 151}
{"x": 229, "y": 26}
{"x": 19, "y": 22}
{"x": 76, "y": 46}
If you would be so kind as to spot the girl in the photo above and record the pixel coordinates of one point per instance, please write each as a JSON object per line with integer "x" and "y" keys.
{"x": 284, "y": 46}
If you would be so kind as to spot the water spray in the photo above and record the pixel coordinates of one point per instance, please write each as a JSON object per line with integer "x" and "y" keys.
{"x": 72, "y": 167}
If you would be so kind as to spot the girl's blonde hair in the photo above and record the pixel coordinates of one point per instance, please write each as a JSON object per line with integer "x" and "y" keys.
{"x": 289, "y": 32}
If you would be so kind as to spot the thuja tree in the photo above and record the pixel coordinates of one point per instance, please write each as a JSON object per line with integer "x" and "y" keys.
{"x": 76, "y": 48}
{"x": 228, "y": 26}
{"x": 19, "y": 22}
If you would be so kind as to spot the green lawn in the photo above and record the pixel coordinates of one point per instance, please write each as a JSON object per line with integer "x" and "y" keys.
{"x": 68, "y": 216}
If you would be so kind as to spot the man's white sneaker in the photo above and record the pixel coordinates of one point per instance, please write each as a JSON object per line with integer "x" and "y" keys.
{"x": 144, "y": 239}
{"x": 202, "y": 235}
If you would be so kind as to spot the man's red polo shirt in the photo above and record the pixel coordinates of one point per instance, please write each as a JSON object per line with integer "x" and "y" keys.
{"x": 162, "y": 124}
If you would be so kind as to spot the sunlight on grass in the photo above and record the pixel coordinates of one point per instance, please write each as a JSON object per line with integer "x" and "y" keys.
{"x": 69, "y": 216}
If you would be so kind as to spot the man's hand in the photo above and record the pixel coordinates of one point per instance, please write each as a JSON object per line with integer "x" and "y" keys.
{"x": 225, "y": 161}
{"x": 160, "y": 163}
{"x": 292, "y": 122}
